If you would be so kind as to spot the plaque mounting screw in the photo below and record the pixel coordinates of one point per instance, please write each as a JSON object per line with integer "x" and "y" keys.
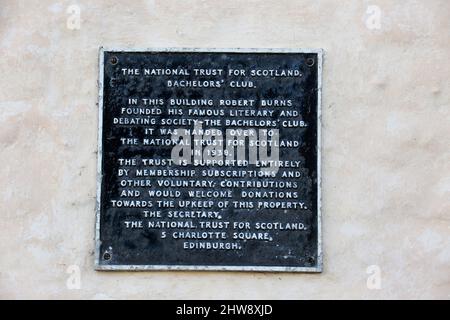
{"x": 114, "y": 60}
{"x": 310, "y": 62}
{"x": 107, "y": 256}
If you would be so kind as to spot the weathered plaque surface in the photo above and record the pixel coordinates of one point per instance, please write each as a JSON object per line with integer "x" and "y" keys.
{"x": 209, "y": 160}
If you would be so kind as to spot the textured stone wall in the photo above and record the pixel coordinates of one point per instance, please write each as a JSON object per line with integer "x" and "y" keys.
{"x": 386, "y": 138}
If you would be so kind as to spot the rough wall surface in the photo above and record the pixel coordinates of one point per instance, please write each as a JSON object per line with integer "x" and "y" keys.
{"x": 386, "y": 138}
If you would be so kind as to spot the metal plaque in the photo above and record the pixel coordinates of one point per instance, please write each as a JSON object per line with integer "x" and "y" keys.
{"x": 209, "y": 159}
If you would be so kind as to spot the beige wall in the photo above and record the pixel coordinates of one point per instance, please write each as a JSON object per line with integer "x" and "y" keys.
{"x": 386, "y": 154}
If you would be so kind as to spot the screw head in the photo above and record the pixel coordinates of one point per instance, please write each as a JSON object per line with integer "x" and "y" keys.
{"x": 310, "y": 62}
{"x": 114, "y": 60}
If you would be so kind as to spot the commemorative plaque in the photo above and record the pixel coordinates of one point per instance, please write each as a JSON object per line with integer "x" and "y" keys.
{"x": 209, "y": 160}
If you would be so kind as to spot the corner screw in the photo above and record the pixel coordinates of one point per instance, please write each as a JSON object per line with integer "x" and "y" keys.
{"x": 114, "y": 60}
{"x": 310, "y": 62}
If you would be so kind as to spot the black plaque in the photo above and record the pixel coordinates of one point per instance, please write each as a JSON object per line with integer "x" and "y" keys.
{"x": 210, "y": 210}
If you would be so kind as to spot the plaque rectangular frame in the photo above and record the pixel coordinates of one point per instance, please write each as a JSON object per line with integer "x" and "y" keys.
{"x": 99, "y": 267}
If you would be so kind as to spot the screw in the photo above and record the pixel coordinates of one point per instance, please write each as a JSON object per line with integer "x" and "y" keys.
{"x": 114, "y": 60}
{"x": 310, "y": 62}
{"x": 106, "y": 256}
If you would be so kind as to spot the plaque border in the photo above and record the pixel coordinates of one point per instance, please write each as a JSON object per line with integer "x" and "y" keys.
{"x": 126, "y": 267}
